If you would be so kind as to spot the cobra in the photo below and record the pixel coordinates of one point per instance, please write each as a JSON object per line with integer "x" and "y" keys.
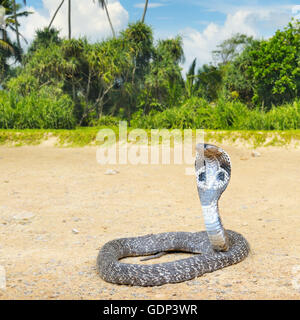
{"x": 213, "y": 249}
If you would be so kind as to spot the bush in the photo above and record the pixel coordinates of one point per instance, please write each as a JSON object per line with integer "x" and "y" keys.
{"x": 36, "y": 110}
{"x": 107, "y": 121}
{"x": 197, "y": 113}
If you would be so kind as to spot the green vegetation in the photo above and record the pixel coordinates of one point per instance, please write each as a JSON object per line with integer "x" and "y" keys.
{"x": 86, "y": 136}
{"x": 65, "y": 83}
{"x": 37, "y": 110}
{"x": 198, "y": 113}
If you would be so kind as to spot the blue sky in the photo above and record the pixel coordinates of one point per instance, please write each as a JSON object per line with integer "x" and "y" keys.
{"x": 202, "y": 24}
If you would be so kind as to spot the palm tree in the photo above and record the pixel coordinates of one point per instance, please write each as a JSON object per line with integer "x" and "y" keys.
{"x": 9, "y": 19}
{"x": 16, "y": 22}
{"x": 102, "y": 3}
{"x": 145, "y": 10}
{"x": 3, "y": 44}
{"x": 55, "y": 13}
{"x": 190, "y": 79}
{"x": 69, "y": 17}
{"x": 8, "y": 49}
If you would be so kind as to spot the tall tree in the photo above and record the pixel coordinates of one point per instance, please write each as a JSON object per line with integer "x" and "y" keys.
{"x": 145, "y": 10}
{"x": 3, "y": 43}
{"x": 231, "y": 48}
{"x": 208, "y": 82}
{"x": 43, "y": 38}
{"x": 16, "y": 22}
{"x": 9, "y": 15}
{"x": 190, "y": 79}
{"x": 8, "y": 49}
{"x": 69, "y": 17}
{"x": 55, "y": 13}
{"x": 102, "y": 3}
{"x": 275, "y": 67}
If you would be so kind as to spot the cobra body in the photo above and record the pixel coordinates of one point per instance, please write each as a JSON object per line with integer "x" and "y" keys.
{"x": 214, "y": 248}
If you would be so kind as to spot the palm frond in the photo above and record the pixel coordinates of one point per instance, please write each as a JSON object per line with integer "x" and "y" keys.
{"x": 191, "y": 71}
{"x": 101, "y": 3}
{"x": 13, "y": 29}
{"x": 6, "y": 46}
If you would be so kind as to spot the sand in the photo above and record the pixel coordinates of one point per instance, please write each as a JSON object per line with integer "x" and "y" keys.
{"x": 57, "y": 208}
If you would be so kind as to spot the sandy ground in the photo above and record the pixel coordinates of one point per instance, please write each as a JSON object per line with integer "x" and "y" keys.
{"x": 48, "y": 192}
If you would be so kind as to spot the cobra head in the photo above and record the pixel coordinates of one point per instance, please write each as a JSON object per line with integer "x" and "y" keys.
{"x": 213, "y": 170}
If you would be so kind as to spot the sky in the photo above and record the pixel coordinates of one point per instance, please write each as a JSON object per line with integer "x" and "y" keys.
{"x": 202, "y": 24}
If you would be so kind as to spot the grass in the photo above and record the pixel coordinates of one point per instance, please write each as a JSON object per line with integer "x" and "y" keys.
{"x": 255, "y": 138}
{"x": 22, "y": 137}
{"x": 78, "y": 137}
{"x": 81, "y": 137}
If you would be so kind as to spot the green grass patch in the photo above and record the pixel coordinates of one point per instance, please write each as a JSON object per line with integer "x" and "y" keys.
{"x": 81, "y": 137}
{"x": 22, "y": 137}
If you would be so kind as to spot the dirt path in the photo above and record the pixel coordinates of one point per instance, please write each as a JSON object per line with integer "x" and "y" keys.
{"x": 48, "y": 192}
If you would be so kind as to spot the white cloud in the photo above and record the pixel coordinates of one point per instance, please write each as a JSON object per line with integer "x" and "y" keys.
{"x": 256, "y": 23}
{"x": 88, "y": 19}
{"x": 150, "y": 5}
{"x": 296, "y": 11}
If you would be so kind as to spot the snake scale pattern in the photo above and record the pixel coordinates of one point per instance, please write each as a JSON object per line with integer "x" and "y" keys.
{"x": 213, "y": 249}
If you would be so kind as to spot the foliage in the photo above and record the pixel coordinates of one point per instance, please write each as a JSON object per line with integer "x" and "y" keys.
{"x": 43, "y": 110}
{"x": 267, "y": 72}
{"x": 7, "y": 51}
{"x": 8, "y": 48}
{"x": 12, "y": 14}
{"x": 138, "y": 38}
{"x": 198, "y": 113}
{"x": 163, "y": 83}
{"x": 229, "y": 49}
{"x": 275, "y": 67}
{"x": 209, "y": 82}
{"x": 44, "y": 38}
{"x": 237, "y": 83}
{"x": 86, "y": 72}
{"x": 131, "y": 76}
{"x": 83, "y": 136}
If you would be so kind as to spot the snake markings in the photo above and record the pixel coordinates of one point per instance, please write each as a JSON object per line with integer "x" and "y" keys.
{"x": 214, "y": 248}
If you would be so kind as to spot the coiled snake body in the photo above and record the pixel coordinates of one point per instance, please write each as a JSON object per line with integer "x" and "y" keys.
{"x": 214, "y": 248}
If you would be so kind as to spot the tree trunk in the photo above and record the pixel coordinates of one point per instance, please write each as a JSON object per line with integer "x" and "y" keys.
{"x": 55, "y": 13}
{"x": 145, "y": 10}
{"x": 108, "y": 17}
{"x": 16, "y": 25}
{"x": 69, "y": 18}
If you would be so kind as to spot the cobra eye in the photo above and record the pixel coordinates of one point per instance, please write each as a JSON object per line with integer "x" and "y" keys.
{"x": 221, "y": 176}
{"x": 202, "y": 176}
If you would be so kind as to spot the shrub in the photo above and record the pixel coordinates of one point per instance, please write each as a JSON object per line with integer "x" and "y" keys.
{"x": 107, "y": 121}
{"x": 197, "y": 113}
{"x": 36, "y": 110}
